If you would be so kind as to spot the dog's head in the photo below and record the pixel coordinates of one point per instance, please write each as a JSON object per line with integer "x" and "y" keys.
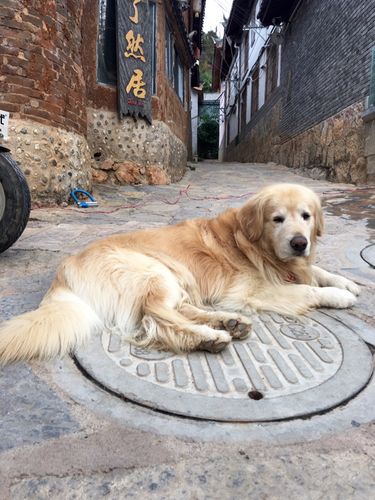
{"x": 285, "y": 219}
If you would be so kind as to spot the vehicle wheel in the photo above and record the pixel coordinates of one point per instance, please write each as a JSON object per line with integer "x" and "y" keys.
{"x": 14, "y": 201}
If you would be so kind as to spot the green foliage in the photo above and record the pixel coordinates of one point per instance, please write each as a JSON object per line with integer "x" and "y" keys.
{"x": 208, "y": 135}
{"x": 206, "y": 79}
{"x": 206, "y": 59}
{"x": 208, "y": 130}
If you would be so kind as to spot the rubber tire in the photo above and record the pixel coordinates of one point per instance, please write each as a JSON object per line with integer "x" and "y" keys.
{"x": 17, "y": 201}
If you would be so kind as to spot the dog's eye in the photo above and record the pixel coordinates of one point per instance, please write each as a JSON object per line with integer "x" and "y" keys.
{"x": 306, "y": 216}
{"x": 278, "y": 219}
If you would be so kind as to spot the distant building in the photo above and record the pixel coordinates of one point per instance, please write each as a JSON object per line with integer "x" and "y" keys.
{"x": 295, "y": 84}
{"x": 208, "y": 128}
{"x": 90, "y": 101}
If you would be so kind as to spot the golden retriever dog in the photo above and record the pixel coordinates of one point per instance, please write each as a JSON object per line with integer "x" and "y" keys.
{"x": 189, "y": 286}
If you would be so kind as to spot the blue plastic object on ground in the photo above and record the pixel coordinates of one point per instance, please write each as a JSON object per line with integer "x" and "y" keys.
{"x": 86, "y": 203}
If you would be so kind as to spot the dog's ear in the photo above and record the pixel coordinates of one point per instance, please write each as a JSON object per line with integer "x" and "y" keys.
{"x": 319, "y": 221}
{"x": 251, "y": 218}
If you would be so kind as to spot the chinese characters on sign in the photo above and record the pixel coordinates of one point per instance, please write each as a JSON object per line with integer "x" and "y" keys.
{"x": 136, "y": 83}
{"x": 134, "y": 65}
{"x": 134, "y": 18}
{"x": 134, "y": 46}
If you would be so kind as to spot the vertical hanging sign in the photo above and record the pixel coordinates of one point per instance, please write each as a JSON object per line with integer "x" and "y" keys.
{"x": 134, "y": 61}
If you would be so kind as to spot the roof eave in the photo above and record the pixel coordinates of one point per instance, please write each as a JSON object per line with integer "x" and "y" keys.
{"x": 238, "y": 17}
{"x": 275, "y": 12}
{"x": 182, "y": 29}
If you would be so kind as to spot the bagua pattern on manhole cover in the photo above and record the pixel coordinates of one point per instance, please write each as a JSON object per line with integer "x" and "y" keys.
{"x": 293, "y": 367}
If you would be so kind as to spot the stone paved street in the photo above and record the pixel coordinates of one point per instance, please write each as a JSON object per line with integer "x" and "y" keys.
{"x": 64, "y": 437}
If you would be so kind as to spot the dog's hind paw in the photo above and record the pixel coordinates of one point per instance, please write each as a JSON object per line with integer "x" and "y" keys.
{"x": 215, "y": 345}
{"x": 239, "y": 328}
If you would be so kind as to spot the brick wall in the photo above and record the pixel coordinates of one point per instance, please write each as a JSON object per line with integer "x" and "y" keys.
{"x": 41, "y": 75}
{"x": 325, "y": 61}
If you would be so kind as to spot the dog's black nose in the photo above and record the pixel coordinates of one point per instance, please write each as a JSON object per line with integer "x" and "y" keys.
{"x": 298, "y": 243}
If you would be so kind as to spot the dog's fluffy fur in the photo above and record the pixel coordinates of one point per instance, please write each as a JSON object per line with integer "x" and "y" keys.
{"x": 188, "y": 286}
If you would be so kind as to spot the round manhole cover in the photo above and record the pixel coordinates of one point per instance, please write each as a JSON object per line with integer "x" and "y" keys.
{"x": 287, "y": 368}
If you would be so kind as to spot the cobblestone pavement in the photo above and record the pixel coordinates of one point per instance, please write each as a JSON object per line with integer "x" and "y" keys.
{"x": 53, "y": 447}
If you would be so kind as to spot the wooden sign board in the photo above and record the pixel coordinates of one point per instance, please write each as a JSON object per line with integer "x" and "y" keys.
{"x": 134, "y": 58}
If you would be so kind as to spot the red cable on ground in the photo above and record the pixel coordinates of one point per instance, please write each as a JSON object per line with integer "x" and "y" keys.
{"x": 185, "y": 192}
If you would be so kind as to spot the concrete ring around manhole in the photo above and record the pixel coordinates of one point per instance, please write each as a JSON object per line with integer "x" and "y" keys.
{"x": 288, "y": 368}
{"x": 368, "y": 255}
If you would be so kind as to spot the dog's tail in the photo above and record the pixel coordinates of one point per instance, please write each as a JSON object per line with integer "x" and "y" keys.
{"x": 61, "y": 323}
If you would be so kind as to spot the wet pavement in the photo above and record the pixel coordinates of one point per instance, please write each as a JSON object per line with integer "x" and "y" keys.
{"x": 63, "y": 437}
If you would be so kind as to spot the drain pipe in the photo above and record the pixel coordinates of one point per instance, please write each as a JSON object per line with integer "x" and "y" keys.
{"x": 239, "y": 92}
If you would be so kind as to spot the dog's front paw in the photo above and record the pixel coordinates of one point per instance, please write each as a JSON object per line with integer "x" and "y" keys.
{"x": 345, "y": 299}
{"x": 336, "y": 298}
{"x": 346, "y": 284}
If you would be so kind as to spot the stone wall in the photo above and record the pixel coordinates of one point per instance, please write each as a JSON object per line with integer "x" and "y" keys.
{"x": 333, "y": 149}
{"x": 260, "y": 140}
{"x": 134, "y": 152}
{"x": 53, "y": 159}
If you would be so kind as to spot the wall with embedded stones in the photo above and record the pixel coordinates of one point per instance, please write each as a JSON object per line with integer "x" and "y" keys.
{"x": 130, "y": 152}
{"x": 333, "y": 150}
{"x": 53, "y": 159}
